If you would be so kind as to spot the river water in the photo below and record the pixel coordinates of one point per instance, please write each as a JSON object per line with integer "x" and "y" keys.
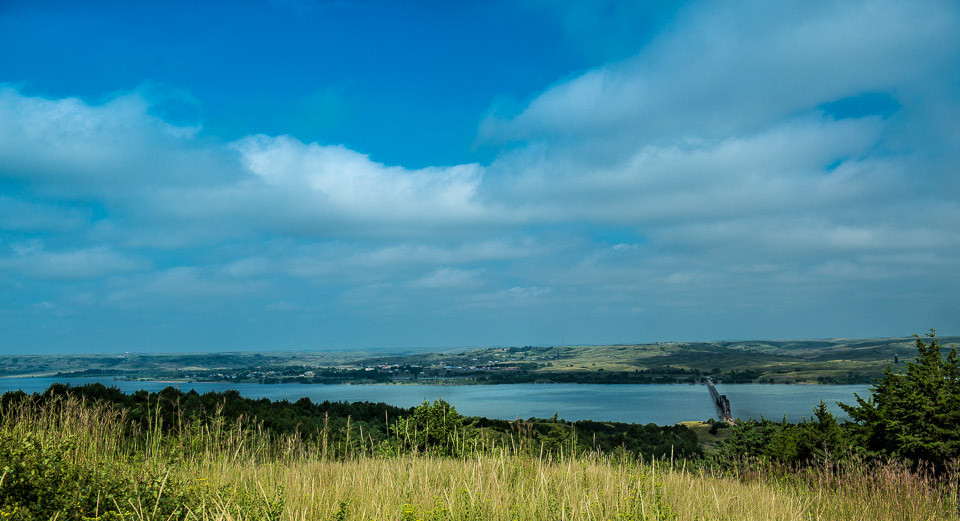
{"x": 663, "y": 404}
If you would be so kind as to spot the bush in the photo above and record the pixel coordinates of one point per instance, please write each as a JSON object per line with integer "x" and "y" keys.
{"x": 42, "y": 481}
{"x": 436, "y": 428}
{"x": 715, "y": 426}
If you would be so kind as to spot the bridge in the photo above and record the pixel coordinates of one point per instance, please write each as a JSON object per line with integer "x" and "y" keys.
{"x": 721, "y": 401}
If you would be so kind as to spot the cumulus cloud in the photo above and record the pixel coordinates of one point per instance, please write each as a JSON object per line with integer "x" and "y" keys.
{"x": 733, "y": 67}
{"x": 71, "y": 148}
{"x": 161, "y": 174}
{"x": 330, "y": 190}
{"x": 349, "y": 182}
{"x": 784, "y": 167}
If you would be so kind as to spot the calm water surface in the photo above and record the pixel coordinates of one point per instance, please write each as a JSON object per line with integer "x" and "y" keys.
{"x": 656, "y": 403}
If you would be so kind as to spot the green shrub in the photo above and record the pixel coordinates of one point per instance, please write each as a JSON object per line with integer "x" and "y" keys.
{"x": 42, "y": 480}
{"x": 436, "y": 428}
{"x": 39, "y": 481}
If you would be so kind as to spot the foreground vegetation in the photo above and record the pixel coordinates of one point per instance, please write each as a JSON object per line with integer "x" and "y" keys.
{"x": 72, "y": 460}
{"x": 362, "y": 428}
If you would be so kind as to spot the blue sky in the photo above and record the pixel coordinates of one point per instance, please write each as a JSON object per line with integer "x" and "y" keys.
{"x": 338, "y": 175}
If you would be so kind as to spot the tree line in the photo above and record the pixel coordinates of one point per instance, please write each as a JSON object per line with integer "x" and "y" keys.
{"x": 352, "y": 428}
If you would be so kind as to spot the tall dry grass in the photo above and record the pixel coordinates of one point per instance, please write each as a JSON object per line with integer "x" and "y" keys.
{"x": 496, "y": 485}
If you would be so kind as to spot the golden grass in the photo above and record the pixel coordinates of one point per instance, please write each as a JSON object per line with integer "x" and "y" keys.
{"x": 515, "y": 487}
{"x": 497, "y": 485}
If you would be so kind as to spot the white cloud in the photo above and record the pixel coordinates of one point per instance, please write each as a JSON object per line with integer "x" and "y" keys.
{"x": 782, "y": 168}
{"x": 448, "y": 279}
{"x": 70, "y": 148}
{"x": 526, "y": 293}
{"x": 732, "y": 67}
{"x": 336, "y": 181}
{"x": 357, "y": 260}
{"x": 513, "y": 298}
{"x": 685, "y": 277}
{"x": 179, "y": 188}
{"x": 248, "y": 267}
{"x": 32, "y": 260}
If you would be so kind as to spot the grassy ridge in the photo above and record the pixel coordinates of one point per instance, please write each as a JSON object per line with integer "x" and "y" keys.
{"x": 80, "y": 460}
{"x": 783, "y": 361}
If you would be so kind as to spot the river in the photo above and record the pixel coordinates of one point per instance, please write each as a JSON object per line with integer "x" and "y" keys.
{"x": 663, "y": 404}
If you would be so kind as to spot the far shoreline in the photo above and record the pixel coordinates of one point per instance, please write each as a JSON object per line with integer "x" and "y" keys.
{"x": 424, "y": 382}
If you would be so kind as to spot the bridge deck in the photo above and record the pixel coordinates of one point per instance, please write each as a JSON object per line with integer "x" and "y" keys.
{"x": 720, "y": 401}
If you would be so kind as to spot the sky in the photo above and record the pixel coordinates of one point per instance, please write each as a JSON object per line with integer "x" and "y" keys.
{"x": 295, "y": 174}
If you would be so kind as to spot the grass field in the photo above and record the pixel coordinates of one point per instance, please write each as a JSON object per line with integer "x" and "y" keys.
{"x": 98, "y": 467}
{"x": 708, "y": 440}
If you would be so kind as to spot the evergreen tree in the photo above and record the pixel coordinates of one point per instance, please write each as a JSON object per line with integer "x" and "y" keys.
{"x": 914, "y": 414}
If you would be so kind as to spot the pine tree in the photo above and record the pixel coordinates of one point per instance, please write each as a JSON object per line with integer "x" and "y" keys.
{"x": 914, "y": 414}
